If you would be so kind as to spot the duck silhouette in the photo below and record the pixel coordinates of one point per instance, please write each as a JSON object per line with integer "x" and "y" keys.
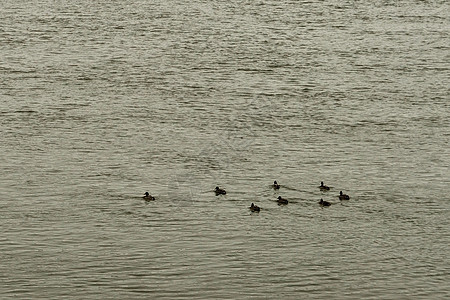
{"x": 148, "y": 197}
{"x": 254, "y": 207}
{"x": 324, "y": 187}
{"x": 219, "y": 191}
{"x": 282, "y": 200}
{"x": 324, "y": 203}
{"x": 275, "y": 185}
{"x": 343, "y": 196}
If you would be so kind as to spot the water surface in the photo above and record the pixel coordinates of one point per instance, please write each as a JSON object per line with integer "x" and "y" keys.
{"x": 102, "y": 101}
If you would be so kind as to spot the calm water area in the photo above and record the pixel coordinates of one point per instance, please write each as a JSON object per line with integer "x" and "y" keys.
{"x": 101, "y": 101}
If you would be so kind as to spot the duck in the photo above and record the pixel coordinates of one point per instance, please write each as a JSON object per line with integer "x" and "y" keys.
{"x": 219, "y": 191}
{"x": 324, "y": 187}
{"x": 254, "y": 207}
{"x": 148, "y": 197}
{"x": 324, "y": 203}
{"x": 282, "y": 200}
{"x": 343, "y": 196}
{"x": 275, "y": 185}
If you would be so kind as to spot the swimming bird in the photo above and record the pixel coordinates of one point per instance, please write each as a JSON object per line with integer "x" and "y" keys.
{"x": 253, "y": 207}
{"x": 343, "y": 196}
{"x": 324, "y": 187}
{"x": 282, "y": 200}
{"x": 148, "y": 197}
{"x": 275, "y": 185}
{"x": 219, "y": 191}
{"x": 324, "y": 203}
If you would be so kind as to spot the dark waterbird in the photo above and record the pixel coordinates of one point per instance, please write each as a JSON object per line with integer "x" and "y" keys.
{"x": 254, "y": 208}
{"x": 282, "y": 200}
{"x": 148, "y": 197}
{"x": 343, "y": 196}
{"x": 324, "y": 187}
{"x": 219, "y": 191}
{"x": 275, "y": 185}
{"x": 324, "y": 203}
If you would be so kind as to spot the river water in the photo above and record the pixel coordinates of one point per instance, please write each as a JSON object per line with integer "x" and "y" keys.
{"x": 104, "y": 100}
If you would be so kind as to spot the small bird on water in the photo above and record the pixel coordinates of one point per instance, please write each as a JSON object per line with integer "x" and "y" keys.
{"x": 282, "y": 200}
{"x": 275, "y": 185}
{"x": 254, "y": 207}
{"x": 324, "y": 203}
{"x": 324, "y": 187}
{"x": 343, "y": 196}
{"x": 219, "y": 191}
{"x": 148, "y": 197}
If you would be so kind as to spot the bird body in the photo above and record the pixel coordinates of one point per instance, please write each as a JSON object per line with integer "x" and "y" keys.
{"x": 324, "y": 187}
{"x": 324, "y": 203}
{"x": 219, "y": 191}
{"x": 343, "y": 196}
{"x": 254, "y": 208}
{"x": 282, "y": 200}
{"x": 148, "y": 197}
{"x": 275, "y": 185}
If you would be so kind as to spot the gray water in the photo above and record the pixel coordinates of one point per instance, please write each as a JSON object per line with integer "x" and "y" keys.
{"x": 104, "y": 100}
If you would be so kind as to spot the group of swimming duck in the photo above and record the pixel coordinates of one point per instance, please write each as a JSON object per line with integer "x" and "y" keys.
{"x": 254, "y": 207}
{"x": 280, "y": 200}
